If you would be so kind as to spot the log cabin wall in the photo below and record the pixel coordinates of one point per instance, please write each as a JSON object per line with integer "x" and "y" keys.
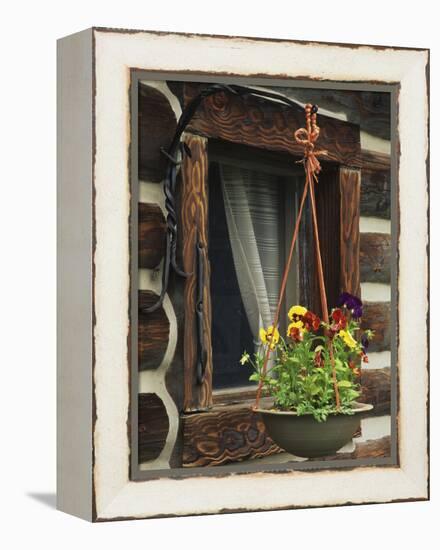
{"x": 161, "y": 335}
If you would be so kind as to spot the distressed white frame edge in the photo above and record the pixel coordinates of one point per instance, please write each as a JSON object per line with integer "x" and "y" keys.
{"x": 74, "y": 274}
{"x": 115, "y": 496}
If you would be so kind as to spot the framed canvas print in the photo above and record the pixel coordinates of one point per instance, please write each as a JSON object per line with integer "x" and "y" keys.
{"x": 242, "y": 274}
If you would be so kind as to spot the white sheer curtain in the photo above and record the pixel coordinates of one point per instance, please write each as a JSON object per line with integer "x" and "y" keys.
{"x": 253, "y": 204}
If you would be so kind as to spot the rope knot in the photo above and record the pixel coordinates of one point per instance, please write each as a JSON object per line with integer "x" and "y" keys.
{"x": 307, "y": 137}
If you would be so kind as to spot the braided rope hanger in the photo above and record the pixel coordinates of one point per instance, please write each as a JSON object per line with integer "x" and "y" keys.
{"x": 307, "y": 137}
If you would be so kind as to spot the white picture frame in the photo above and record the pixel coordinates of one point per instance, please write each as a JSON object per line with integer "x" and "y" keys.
{"x": 94, "y": 71}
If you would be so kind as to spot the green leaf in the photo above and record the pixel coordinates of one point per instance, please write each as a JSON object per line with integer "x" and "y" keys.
{"x": 344, "y": 384}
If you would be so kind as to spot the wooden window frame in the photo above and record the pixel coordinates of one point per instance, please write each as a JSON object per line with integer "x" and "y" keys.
{"x": 269, "y": 126}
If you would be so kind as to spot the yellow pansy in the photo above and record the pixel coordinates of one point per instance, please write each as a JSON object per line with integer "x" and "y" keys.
{"x": 295, "y": 324}
{"x": 296, "y": 330}
{"x": 296, "y": 311}
{"x": 348, "y": 338}
{"x": 270, "y": 336}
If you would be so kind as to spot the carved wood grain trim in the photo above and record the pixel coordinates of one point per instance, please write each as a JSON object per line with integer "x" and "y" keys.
{"x": 328, "y": 201}
{"x": 350, "y": 188}
{"x": 269, "y": 125}
{"x": 194, "y": 221}
{"x": 223, "y": 435}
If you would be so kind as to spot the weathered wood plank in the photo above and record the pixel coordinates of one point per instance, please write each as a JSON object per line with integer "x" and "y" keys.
{"x": 223, "y": 435}
{"x": 157, "y": 124}
{"x": 374, "y": 448}
{"x": 194, "y": 224}
{"x": 270, "y": 125}
{"x": 153, "y": 426}
{"x": 376, "y": 389}
{"x": 337, "y": 202}
{"x": 350, "y": 185}
{"x": 152, "y": 235}
{"x": 153, "y": 333}
{"x": 375, "y": 257}
{"x": 328, "y": 209}
{"x": 377, "y": 317}
{"x": 234, "y": 396}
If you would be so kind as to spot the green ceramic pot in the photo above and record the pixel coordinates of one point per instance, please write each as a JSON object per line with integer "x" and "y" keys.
{"x": 306, "y": 437}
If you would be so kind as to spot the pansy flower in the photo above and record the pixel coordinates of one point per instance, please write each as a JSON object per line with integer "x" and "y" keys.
{"x": 353, "y": 303}
{"x": 295, "y": 331}
{"x": 339, "y": 320}
{"x": 296, "y": 313}
{"x": 311, "y": 321}
{"x": 348, "y": 338}
{"x": 270, "y": 336}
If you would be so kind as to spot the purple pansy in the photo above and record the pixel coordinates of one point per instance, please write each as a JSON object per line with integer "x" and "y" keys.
{"x": 353, "y": 303}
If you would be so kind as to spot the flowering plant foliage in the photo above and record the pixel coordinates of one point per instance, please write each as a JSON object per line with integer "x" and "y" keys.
{"x": 300, "y": 377}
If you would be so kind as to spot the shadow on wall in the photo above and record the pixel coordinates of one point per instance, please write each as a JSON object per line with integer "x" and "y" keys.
{"x": 48, "y": 499}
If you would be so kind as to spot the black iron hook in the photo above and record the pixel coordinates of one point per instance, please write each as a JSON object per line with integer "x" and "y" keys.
{"x": 169, "y": 186}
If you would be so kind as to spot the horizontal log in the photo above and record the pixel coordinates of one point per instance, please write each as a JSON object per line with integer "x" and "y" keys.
{"x": 157, "y": 124}
{"x": 373, "y": 448}
{"x": 371, "y": 110}
{"x": 375, "y": 257}
{"x": 153, "y": 426}
{"x": 376, "y": 193}
{"x": 223, "y": 435}
{"x": 153, "y": 332}
{"x": 377, "y": 317}
{"x": 373, "y": 160}
{"x": 151, "y": 243}
{"x": 376, "y": 390}
{"x": 267, "y": 124}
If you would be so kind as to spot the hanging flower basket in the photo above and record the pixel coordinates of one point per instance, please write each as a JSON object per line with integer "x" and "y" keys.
{"x": 304, "y": 436}
{"x": 313, "y": 380}
{"x": 313, "y": 374}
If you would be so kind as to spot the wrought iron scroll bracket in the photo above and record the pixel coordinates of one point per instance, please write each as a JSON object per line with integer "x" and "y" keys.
{"x": 201, "y": 351}
{"x": 178, "y": 148}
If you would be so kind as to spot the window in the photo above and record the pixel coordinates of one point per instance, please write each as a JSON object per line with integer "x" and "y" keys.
{"x": 252, "y": 205}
